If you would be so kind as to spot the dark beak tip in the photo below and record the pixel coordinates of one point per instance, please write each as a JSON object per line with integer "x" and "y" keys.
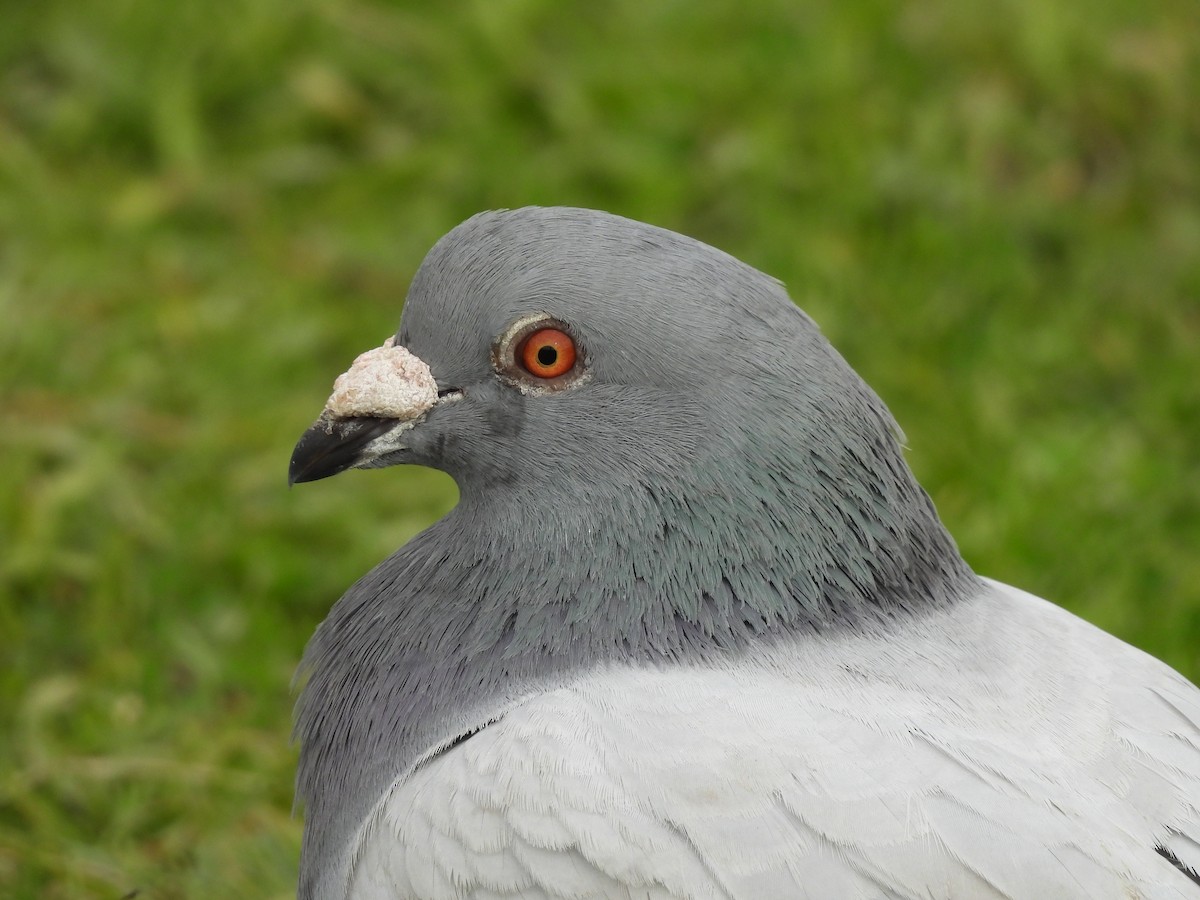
{"x": 295, "y": 475}
{"x": 302, "y": 470}
{"x": 318, "y": 455}
{"x": 331, "y": 446}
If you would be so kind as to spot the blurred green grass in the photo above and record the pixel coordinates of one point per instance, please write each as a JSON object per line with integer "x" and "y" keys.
{"x": 206, "y": 209}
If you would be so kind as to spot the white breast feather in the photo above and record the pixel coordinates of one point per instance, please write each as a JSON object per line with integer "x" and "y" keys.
{"x": 1004, "y": 749}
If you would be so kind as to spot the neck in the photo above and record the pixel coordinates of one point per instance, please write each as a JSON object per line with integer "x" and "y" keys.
{"x": 517, "y": 604}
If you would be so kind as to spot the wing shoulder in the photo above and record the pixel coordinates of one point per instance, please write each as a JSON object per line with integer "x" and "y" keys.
{"x": 537, "y": 804}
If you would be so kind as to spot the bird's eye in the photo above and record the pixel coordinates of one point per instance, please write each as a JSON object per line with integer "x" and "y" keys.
{"x": 547, "y": 353}
{"x": 540, "y": 354}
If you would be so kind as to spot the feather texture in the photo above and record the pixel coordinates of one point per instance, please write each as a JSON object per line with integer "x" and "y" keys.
{"x": 950, "y": 758}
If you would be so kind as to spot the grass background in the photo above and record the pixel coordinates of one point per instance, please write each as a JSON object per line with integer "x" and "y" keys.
{"x": 208, "y": 208}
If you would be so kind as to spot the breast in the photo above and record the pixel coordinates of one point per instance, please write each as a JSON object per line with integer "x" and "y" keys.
{"x": 1000, "y": 749}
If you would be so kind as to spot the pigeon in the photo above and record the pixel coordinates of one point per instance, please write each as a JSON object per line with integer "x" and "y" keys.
{"x": 693, "y": 629}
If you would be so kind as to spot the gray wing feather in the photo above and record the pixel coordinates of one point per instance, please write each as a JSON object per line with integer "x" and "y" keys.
{"x": 954, "y": 759}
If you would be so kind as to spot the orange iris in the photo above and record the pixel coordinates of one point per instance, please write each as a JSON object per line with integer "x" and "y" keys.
{"x": 547, "y": 353}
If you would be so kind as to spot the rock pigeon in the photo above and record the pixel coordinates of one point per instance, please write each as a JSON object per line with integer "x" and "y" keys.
{"x": 693, "y": 629}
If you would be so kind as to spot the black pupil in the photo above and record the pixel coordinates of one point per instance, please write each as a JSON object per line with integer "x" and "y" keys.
{"x": 547, "y": 355}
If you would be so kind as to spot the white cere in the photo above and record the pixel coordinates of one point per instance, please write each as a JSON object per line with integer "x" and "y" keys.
{"x": 387, "y": 382}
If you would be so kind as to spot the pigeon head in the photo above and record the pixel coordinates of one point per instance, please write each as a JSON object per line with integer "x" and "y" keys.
{"x": 579, "y": 360}
{"x": 659, "y": 457}
{"x": 586, "y": 378}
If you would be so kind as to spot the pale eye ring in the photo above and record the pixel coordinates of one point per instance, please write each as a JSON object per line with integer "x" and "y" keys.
{"x": 539, "y": 354}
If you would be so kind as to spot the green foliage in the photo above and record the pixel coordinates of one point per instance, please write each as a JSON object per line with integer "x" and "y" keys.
{"x": 206, "y": 209}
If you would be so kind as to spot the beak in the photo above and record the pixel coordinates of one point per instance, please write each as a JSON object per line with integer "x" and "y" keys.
{"x": 386, "y": 391}
{"x": 333, "y": 445}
